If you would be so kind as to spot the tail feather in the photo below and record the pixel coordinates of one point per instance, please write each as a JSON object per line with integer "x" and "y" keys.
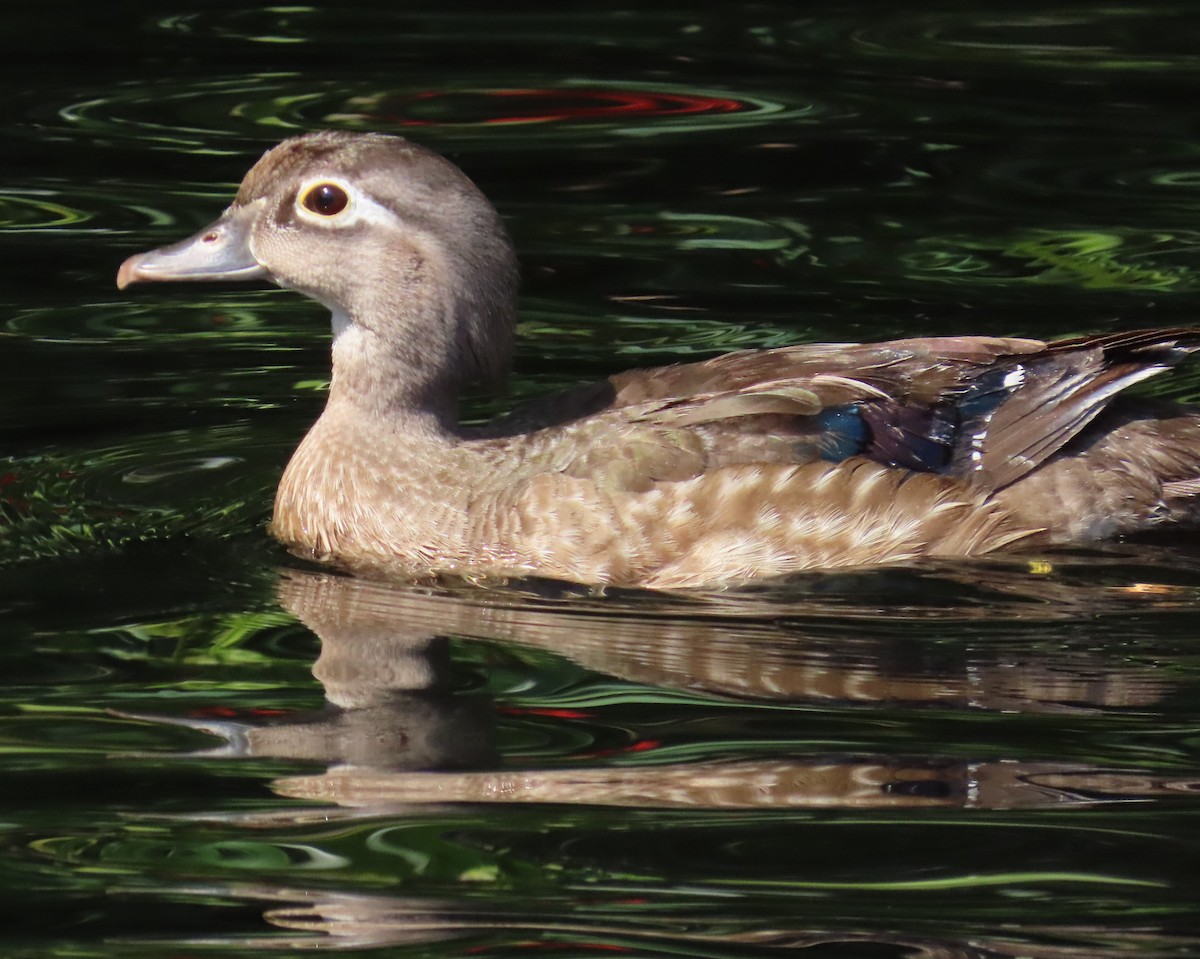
{"x": 1022, "y": 413}
{"x": 1182, "y": 489}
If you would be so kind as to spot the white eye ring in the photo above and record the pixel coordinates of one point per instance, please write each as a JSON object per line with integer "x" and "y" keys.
{"x": 344, "y": 205}
{"x": 324, "y": 200}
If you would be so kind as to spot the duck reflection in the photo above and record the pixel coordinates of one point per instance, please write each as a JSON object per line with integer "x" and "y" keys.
{"x": 407, "y": 732}
{"x": 359, "y": 921}
{"x": 354, "y": 921}
{"x": 395, "y": 733}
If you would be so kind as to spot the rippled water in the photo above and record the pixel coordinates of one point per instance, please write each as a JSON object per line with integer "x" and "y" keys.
{"x": 209, "y": 750}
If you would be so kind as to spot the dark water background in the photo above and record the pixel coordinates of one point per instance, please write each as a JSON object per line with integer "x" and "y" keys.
{"x": 209, "y": 750}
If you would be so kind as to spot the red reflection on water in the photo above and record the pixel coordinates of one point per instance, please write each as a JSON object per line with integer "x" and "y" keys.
{"x": 553, "y": 944}
{"x": 551, "y": 106}
{"x": 16, "y": 502}
{"x": 593, "y": 104}
{"x": 213, "y": 712}
{"x": 640, "y": 746}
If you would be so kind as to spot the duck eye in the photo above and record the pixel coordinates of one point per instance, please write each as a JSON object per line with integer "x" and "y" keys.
{"x": 325, "y": 199}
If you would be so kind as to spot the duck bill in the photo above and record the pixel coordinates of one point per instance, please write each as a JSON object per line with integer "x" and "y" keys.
{"x": 221, "y": 251}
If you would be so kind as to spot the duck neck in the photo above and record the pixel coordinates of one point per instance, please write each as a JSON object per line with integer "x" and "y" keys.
{"x": 392, "y": 388}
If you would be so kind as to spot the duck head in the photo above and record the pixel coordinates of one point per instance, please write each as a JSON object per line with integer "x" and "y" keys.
{"x": 406, "y": 252}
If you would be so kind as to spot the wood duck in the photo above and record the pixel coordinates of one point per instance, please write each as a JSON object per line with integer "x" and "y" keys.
{"x": 712, "y": 474}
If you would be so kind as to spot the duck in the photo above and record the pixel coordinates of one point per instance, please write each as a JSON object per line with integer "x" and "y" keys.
{"x": 705, "y": 475}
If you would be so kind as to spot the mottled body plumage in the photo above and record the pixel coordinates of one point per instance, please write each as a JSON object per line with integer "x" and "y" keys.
{"x": 751, "y": 464}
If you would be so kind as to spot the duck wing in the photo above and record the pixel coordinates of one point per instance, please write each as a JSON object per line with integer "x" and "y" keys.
{"x": 1017, "y": 415}
{"x": 985, "y": 409}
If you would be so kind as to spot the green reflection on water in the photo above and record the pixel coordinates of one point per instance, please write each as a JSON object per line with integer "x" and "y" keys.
{"x": 1086, "y": 260}
{"x": 23, "y": 213}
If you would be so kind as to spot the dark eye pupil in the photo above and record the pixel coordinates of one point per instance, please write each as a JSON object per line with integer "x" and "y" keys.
{"x": 327, "y": 199}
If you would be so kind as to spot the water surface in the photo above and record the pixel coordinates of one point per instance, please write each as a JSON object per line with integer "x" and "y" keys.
{"x": 210, "y": 749}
